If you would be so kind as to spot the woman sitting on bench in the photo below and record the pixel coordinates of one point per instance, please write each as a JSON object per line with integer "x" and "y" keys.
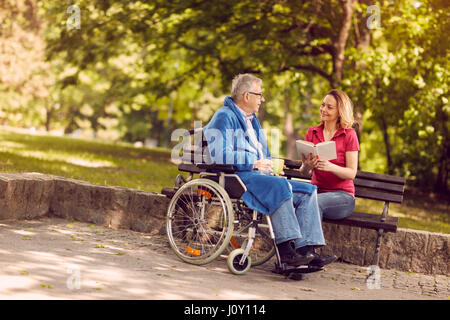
{"x": 334, "y": 178}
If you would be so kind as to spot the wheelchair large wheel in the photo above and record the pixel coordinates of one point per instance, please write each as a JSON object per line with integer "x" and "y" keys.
{"x": 200, "y": 221}
{"x": 262, "y": 248}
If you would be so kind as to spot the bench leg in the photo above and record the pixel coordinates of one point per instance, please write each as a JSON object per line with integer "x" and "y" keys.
{"x": 376, "y": 256}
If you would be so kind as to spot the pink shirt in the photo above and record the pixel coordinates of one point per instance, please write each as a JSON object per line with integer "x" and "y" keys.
{"x": 346, "y": 140}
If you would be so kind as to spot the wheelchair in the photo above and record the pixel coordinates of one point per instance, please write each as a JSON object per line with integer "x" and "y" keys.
{"x": 207, "y": 219}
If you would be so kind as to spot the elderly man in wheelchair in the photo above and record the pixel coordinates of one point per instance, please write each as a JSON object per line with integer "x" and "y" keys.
{"x": 236, "y": 191}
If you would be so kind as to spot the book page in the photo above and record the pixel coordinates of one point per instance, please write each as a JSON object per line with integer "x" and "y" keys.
{"x": 304, "y": 147}
{"x": 327, "y": 150}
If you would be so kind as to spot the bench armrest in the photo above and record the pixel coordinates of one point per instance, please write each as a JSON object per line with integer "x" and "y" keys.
{"x": 292, "y": 164}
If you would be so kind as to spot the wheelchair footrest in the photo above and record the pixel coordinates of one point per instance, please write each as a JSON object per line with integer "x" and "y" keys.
{"x": 295, "y": 273}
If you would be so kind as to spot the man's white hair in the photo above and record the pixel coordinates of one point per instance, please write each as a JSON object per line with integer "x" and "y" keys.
{"x": 243, "y": 83}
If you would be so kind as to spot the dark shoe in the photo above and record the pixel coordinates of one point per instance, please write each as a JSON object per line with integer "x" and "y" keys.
{"x": 289, "y": 256}
{"x": 317, "y": 261}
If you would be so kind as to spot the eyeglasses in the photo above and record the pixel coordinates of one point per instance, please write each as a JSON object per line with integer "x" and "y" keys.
{"x": 257, "y": 94}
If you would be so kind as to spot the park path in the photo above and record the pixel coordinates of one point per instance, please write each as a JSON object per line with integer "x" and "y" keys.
{"x": 53, "y": 258}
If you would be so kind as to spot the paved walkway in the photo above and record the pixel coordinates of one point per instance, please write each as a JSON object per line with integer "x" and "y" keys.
{"x": 59, "y": 259}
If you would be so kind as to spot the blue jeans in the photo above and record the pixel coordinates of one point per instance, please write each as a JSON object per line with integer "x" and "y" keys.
{"x": 335, "y": 205}
{"x": 298, "y": 219}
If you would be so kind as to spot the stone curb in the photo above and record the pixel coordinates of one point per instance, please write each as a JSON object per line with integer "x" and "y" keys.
{"x": 406, "y": 250}
{"x": 34, "y": 195}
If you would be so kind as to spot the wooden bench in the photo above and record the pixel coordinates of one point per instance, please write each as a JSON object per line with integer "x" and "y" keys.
{"x": 368, "y": 185}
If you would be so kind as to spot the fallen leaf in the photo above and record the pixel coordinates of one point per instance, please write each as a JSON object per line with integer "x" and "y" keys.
{"x": 307, "y": 289}
{"x": 164, "y": 275}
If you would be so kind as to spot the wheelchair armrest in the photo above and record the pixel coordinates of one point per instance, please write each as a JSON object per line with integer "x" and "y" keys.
{"x": 217, "y": 167}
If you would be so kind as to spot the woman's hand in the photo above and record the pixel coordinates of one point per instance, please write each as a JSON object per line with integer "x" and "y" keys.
{"x": 324, "y": 165}
{"x": 347, "y": 172}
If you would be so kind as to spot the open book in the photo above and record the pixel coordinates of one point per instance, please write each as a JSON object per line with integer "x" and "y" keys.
{"x": 326, "y": 150}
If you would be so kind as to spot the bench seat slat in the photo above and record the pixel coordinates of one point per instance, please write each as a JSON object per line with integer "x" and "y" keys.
{"x": 369, "y": 221}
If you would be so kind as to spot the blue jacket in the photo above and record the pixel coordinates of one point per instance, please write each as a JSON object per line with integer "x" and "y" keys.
{"x": 229, "y": 143}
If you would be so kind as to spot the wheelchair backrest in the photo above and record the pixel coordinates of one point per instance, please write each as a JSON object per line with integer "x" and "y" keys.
{"x": 196, "y": 160}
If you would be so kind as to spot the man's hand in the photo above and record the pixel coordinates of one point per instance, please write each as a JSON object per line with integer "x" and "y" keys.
{"x": 263, "y": 165}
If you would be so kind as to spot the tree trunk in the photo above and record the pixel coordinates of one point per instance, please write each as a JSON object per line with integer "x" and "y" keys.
{"x": 362, "y": 42}
{"x": 387, "y": 144}
{"x": 362, "y": 33}
{"x": 441, "y": 184}
{"x": 288, "y": 128}
{"x": 48, "y": 117}
{"x": 339, "y": 42}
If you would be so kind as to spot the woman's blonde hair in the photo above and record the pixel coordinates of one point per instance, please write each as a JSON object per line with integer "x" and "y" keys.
{"x": 345, "y": 108}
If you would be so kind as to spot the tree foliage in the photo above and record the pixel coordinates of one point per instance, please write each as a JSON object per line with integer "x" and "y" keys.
{"x": 141, "y": 69}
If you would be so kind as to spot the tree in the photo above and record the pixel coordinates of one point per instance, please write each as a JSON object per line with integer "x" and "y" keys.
{"x": 21, "y": 62}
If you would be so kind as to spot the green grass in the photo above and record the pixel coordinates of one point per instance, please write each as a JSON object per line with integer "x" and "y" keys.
{"x": 93, "y": 161}
{"x": 151, "y": 169}
{"x": 418, "y": 211}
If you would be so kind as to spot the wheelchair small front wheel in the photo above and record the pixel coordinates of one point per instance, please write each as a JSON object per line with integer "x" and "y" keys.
{"x": 233, "y": 262}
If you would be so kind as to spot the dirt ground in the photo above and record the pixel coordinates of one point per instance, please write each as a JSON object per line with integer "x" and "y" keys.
{"x": 53, "y": 258}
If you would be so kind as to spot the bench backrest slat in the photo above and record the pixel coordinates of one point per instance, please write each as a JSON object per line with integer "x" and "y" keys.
{"x": 377, "y": 195}
{"x": 380, "y": 177}
{"x": 373, "y": 184}
{"x": 370, "y": 221}
{"x": 369, "y": 185}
